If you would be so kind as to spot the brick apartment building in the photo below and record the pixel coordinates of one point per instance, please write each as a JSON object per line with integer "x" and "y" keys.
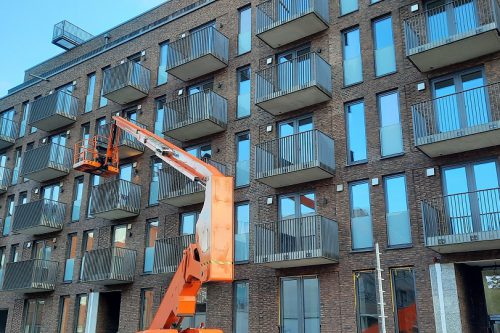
{"x": 345, "y": 124}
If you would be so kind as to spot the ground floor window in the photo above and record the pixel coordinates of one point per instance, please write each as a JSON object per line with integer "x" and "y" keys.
{"x": 300, "y": 305}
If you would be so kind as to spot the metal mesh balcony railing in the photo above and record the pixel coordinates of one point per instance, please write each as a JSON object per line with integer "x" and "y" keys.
{"x": 175, "y": 184}
{"x": 168, "y": 253}
{"x": 295, "y": 239}
{"x": 462, "y": 217}
{"x": 9, "y": 130}
{"x": 128, "y": 73}
{"x": 39, "y": 214}
{"x": 202, "y": 42}
{"x": 109, "y": 264}
{"x": 449, "y": 22}
{"x": 205, "y": 105}
{"x": 30, "y": 274}
{"x": 291, "y": 76}
{"x": 50, "y": 155}
{"x": 294, "y": 153}
{"x": 116, "y": 195}
{"x": 59, "y": 103}
{"x": 273, "y": 13}
{"x": 70, "y": 31}
{"x": 463, "y": 113}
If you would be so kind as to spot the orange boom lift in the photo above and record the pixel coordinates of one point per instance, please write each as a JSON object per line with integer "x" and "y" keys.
{"x": 211, "y": 258}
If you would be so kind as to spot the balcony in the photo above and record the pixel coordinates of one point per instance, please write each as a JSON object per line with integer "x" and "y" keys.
{"x": 128, "y": 146}
{"x": 459, "y": 122}
{"x": 53, "y": 111}
{"x": 126, "y": 82}
{"x": 168, "y": 253}
{"x": 452, "y": 33}
{"x": 195, "y": 116}
{"x": 47, "y": 162}
{"x": 463, "y": 222}
{"x": 67, "y": 35}
{"x": 5, "y": 179}
{"x": 116, "y": 199}
{"x": 178, "y": 190}
{"x": 283, "y": 22}
{"x": 30, "y": 276}
{"x": 8, "y": 132}
{"x": 305, "y": 241}
{"x": 39, "y": 217}
{"x": 295, "y": 159}
{"x": 303, "y": 81}
{"x": 109, "y": 266}
{"x": 198, "y": 54}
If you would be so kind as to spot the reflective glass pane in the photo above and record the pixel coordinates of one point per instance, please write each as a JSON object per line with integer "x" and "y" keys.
{"x": 356, "y": 132}
{"x": 398, "y": 220}
{"x": 385, "y": 55}
{"x": 353, "y": 67}
{"x": 348, "y": 6}
{"x": 361, "y": 223}
{"x": 447, "y": 113}
{"x": 457, "y": 200}
{"x": 404, "y": 296}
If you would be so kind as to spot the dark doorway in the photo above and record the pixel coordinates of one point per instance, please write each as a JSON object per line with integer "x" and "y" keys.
{"x": 108, "y": 315}
{"x": 3, "y": 320}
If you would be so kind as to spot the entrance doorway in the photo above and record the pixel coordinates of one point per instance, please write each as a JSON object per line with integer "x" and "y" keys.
{"x": 108, "y": 314}
{"x": 3, "y": 320}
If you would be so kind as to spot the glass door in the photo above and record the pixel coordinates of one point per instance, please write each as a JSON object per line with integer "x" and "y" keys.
{"x": 294, "y": 69}
{"x": 198, "y": 103}
{"x": 446, "y": 18}
{"x": 296, "y": 141}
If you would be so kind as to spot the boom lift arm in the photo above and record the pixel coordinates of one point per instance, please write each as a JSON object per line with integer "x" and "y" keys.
{"x": 211, "y": 257}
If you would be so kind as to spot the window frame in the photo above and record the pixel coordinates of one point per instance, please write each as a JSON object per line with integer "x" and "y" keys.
{"x": 350, "y": 185}
{"x": 386, "y": 198}
{"x": 347, "y": 124}
{"x": 379, "y": 109}
{"x": 373, "y": 23}
{"x": 235, "y": 308}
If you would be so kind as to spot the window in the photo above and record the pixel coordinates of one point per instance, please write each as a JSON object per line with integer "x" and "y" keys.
{"x": 99, "y": 123}
{"x": 33, "y": 129}
{"x": 2, "y": 262}
{"x": 87, "y": 245}
{"x": 103, "y": 101}
{"x": 353, "y": 65}
{"x": 51, "y": 192}
{"x": 149, "y": 251}
{"x": 42, "y": 249}
{"x": 300, "y": 305}
{"x": 201, "y": 311}
{"x": 14, "y": 253}
{"x": 361, "y": 218}
{"x": 383, "y": 43}
{"x": 397, "y": 214}
{"x": 446, "y": 19}
{"x": 63, "y": 314}
{"x": 296, "y": 206}
{"x": 242, "y": 229}
{"x": 241, "y": 307}
{"x": 33, "y": 315}
{"x": 70, "y": 258}
{"x": 22, "y": 198}
{"x": 77, "y": 199}
{"x": 154, "y": 188}
{"x": 294, "y": 134}
{"x": 348, "y": 6}
{"x": 94, "y": 181}
{"x": 126, "y": 172}
{"x": 147, "y": 302}
{"x": 245, "y": 30}
{"x": 403, "y": 284}
{"x": 202, "y": 151}
{"x": 24, "y": 120}
{"x": 188, "y": 223}
{"x": 162, "y": 64}
{"x": 242, "y": 159}
{"x": 391, "y": 133}
{"x": 366, "y": 301}
{"x": 17, "y": 165}
{"x": 356, "y": 133}
{"x": 81, "y": 313}
{"x": 9, "y": 211}
{"x": 244, "y": 86}
{"x": 160, "y": 116}
{"x": 119, "y": 236}
{"x": 90, "y": 92}
{"x": 7, "y": 125}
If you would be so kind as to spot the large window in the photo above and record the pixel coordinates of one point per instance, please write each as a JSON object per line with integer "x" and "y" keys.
{"x": 147, "y": 302}
{"x": 87, "y": 245}
{"x": 70, "y": 258}
{"x": 245, "y": 30}
{"x": 361, "y": 217}
{"x": 94, "y": 181}
{"x": 2, "y": 262}
{"x": 14, "y": 253}
{"x": 366, "y": 302}
{"x": 63, "y": 314}
{"x": 149, "y": 251}
{"x": 353, "y": 65}
{"x": 241, "y": 292}
{"x": 397, "y": 214}
{"x": 33, "y": 315}
{"x": 383, "y": 44}
{"x": 103, "y": 101}
{"x": 159, "y": 117}
{"x": 154, "y": 186}
{"x": 77, "y": 199}
{"x": 81, "y": 313}
{"x": 188, "y": 223}
{"x": 348, "y": 6}
{"x": 9, "y": 212}
{"x": 244, "y": 86}
{"x": 356, "y": 133}
{"x": 119, "y": 236}
{"x": 300, "y": 305}
{"x": 162, "y": 64}
{"x": 17, "y": 165}
{"x": 242, "y": 229}
{"x": 403, "y": 284}
{"x": 24, "y": 120}
{"x": 90, "y": 92}
{"x": 391, "y": 134}
{"x": 446, "y": 18}
{"x": 242, "y": 159}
